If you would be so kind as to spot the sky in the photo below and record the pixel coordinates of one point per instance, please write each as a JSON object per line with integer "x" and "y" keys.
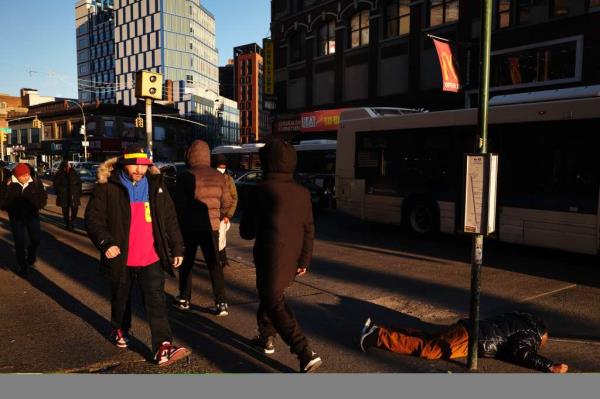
{"x": 37, "y": 45}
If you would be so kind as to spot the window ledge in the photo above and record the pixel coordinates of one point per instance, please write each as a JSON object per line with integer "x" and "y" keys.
{"x": 402, "y": 38}
{"x": 358, "y": 49}
{"x": 323, "y": 58}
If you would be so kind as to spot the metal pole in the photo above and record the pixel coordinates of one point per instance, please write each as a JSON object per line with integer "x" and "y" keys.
{"x": 85, "y": 153}
{"x": 149, "y": 127}
{"x": 481, "y": 147}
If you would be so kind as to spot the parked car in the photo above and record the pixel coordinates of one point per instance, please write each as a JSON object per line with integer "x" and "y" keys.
{"x": 246, "y": 183}
{"x": 88, "y": 180}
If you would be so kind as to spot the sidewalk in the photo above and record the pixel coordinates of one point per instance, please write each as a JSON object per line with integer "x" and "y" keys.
{"x": 58, "y": 319}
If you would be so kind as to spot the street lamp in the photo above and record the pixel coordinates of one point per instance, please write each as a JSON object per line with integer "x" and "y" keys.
{"x": 82, "y": 130}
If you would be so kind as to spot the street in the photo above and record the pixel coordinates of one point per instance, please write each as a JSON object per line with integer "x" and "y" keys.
{"x": 57, "y": 320}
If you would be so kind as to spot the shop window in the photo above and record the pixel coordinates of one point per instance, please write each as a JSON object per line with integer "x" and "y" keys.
{"x": 536, "y": 65}
{"x": 503, "y": 13}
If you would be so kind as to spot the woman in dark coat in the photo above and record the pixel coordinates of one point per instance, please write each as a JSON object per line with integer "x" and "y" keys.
{"x": 67, "y": 185}
{"x": 279, "y": 215}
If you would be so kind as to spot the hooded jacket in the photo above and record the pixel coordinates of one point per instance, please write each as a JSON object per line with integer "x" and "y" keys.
{"x": 108, "y": 218}
{"x": 279, "y": 215}
{"x": 202, "y": 196}
{"x": 514, "y": 337}
{"x": 67, "y": 187}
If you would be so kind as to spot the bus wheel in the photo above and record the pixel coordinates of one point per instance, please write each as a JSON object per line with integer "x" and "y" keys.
{"x": 422, "y": 218}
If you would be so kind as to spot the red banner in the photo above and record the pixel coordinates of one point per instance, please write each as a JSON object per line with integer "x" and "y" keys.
{"x": 319, "y": 121}
{"x": 447, "y": 64}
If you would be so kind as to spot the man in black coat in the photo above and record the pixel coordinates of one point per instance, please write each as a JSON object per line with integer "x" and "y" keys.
{"x": 22, "y": 196}
{"x": 279, "y": 216}
{"x": 67, "y": 185}
{"x": 514, "y": 337}
{"x": 132, "y": 221}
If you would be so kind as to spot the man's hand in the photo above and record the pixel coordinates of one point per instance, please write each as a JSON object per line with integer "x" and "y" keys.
{"x": 177, "y": 261}
{"x": 558, "y": 368}
{"x": 300, "y": 271}
{"x": 112, "y": 252}
{"x": 226, "y": 220}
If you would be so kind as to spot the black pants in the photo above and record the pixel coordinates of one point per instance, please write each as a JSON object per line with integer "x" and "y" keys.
{"x": 21, "y": 227}
{"x": 274, "y": 316}
{"x": 209, "y": 244}
{"x": 223, "y": 256}
{"x": 151, "y": 280}
{"x": 69, "y": 219}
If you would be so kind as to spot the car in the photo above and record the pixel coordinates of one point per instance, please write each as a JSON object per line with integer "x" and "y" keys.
{"x": 246, "y": 183}
{"x": 88, "y": 180}
{"x": 170, "y": 172}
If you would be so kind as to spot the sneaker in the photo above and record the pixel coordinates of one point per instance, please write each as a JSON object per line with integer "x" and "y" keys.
{"x": 118, "y": 338}
{"x": 221, "y": 309}
{"x": 309, "y": 361}
{"x": 168, "y": 354}
{"x": 369, "y": 335}
{"x": 264, "y": 344}
{"x": 180, "y": 303}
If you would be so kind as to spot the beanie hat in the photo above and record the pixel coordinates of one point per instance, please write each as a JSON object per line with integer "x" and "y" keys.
{"x": 135, "y": 154}
{"x": 21, "y": 169}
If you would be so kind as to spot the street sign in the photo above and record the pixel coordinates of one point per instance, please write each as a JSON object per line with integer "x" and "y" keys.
{"x": 6, "y": 129}
{"x": 85, "y": 143}
{"x": 480, "y": 193}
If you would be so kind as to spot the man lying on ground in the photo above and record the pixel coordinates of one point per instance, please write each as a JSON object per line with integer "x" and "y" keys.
{"x": 515, "y": 337}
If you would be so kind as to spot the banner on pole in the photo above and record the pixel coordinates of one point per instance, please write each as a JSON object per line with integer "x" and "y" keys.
{"x": 448, "y": 66}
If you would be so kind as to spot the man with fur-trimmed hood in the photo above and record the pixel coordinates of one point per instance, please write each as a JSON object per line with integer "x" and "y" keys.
{"x": 132, "y": 221}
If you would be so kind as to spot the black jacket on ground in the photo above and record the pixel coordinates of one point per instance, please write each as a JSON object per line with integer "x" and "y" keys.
{"x": 108, "y": 218}
{"x": 514, "y": 337}
{"x": 23, "y": 204}
{"x": 68, "y": 188}
{"x": 279, "y": 215}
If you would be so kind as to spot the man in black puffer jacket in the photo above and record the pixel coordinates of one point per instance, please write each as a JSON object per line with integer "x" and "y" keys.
{"x": 514, "y": 337}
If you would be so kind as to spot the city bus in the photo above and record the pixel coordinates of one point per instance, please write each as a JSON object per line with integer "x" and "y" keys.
{"x": 316, "y": 159}
{"x": 408, "y": 169}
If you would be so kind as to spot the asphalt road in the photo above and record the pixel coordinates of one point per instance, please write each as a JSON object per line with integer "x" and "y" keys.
{"x": 57, "y": 319}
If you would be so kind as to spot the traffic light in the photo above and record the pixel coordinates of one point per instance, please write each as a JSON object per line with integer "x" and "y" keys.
{"x": 149, "y": 85}
{"x": 139, "y": 122}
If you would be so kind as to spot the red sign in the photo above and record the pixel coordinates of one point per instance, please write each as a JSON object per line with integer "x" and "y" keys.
{"x": 449, "y": 73}
{"x": 319, "y": 121}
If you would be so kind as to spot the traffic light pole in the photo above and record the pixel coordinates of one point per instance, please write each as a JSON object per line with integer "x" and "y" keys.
{"x": 82, "y": 131}
{"x": 481, "y": 147}
{"x": 149, "y": 126}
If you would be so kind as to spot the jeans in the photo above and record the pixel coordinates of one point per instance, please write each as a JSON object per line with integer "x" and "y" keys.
{"x": 209, "y": 244}
{"x": 151, "y": 280}
{"x": 31, "y": 227}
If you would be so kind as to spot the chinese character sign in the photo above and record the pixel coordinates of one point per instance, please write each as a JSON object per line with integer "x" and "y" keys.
{"x": 269, "y": 67}
{"x": 447, "y": 64}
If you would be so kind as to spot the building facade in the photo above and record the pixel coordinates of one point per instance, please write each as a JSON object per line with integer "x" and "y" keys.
{"x": 95, "y": 50}
{"x": 226, "y": 80}
{"x": 110, "y": 128}
{"x": 249, "y": 85}
{"x": 172, "y": 37}
{"x": 344, "y": 53}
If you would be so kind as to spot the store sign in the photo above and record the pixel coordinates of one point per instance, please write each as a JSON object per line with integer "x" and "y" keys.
{"x": 289, "y": 125}
{"x": 447, "y": 64}
{"x": 269, "y": 67}
{"x": 319, "y": 121}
